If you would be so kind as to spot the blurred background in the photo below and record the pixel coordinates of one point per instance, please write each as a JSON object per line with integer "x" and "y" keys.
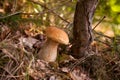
{"x": 41, "y": 13}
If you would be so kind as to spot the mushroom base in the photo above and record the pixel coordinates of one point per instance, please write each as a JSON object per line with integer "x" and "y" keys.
{"x": 49, "y": 51}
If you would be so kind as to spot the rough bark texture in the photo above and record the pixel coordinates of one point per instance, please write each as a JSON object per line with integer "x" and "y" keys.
{"x": 82, "y": 30}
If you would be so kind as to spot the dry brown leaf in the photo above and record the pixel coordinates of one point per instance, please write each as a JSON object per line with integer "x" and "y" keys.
{"x": 33, "y": 31}
{"x": 29, "y": 41}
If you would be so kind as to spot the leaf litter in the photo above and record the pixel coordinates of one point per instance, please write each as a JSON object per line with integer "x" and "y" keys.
{"x": 18, "y": 61}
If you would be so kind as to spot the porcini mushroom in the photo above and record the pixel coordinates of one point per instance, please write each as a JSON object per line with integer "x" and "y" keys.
{"x": 55, "y": 36}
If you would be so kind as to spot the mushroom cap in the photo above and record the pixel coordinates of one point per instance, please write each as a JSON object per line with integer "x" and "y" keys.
{"x": 57, "y": 35}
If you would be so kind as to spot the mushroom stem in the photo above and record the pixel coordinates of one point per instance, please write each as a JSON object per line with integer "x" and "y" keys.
{"x": 49, "y": 51}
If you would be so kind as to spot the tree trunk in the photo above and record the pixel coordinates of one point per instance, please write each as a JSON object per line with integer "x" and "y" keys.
{"x": 82, "y": 29}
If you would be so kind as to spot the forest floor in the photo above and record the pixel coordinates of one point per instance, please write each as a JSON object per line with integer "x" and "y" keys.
{"x": 18, "y": 59}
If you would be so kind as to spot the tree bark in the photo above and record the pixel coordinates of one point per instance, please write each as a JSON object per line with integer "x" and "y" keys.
{"x": 82, "y": 29}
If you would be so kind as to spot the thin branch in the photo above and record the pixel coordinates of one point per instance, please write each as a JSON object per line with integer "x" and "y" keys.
{"x": 99, "y": 22}
{"x": 77, "y": 62}
{"x": 102, "y": 35}
{"x": 103, "y": 43}
{"x": 12, "y": 14}
{"x": 9, "y": 55}
{"x": 47, "y": 11}
{"x": 50, "y": 10}
{"x": 8, "y": 72}
{"x": 11, "y": 76}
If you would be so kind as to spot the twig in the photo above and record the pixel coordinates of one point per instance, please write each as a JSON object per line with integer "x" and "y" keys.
{"x": 103, "y": 43}
{"x": 50, "y": 10}
{"x": 12, "y": 14}
{"x": 11, "y": 76}
{"x": 8, "y": 72}
{"x": 18, "y": 67}
{"x": 99, "y": 22}
{"x": 47, "y": 10}
{"x": 102, "y": 35}
{"x": 78, "y": 62}
{"x": 9, "y": 55}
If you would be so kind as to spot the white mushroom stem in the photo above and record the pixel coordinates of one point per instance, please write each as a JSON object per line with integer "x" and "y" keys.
{"x": 49, "y": 51}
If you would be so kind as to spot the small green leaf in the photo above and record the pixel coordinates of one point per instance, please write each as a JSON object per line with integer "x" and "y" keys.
{"x": 115, "y": 8}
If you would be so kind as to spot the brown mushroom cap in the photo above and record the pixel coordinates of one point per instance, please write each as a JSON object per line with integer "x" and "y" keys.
{"x": 57, "y": 35}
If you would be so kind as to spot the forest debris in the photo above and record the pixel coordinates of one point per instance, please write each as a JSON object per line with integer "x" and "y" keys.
{"x": 33, "y": 30}
{"x": 42, "y": 39}
{"x": 52, "y": 78}
{"x": 40, "y": 69}
{"x": 4, "y": 32}
{"x": 92, "y": 67}
{"x": 102, "y": 66}
{"x": 77, "y": 74}
{"x": 42, "y": 64}
{"x": 29, "y": 41}
{"x": 65, "y": 69}
{"x": 9, "y": 54}
{"x": 65, "y": 58}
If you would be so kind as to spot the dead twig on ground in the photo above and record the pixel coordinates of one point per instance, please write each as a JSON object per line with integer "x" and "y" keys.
{"x": 12, "y": 76}
{"x": 78, "y": 62}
